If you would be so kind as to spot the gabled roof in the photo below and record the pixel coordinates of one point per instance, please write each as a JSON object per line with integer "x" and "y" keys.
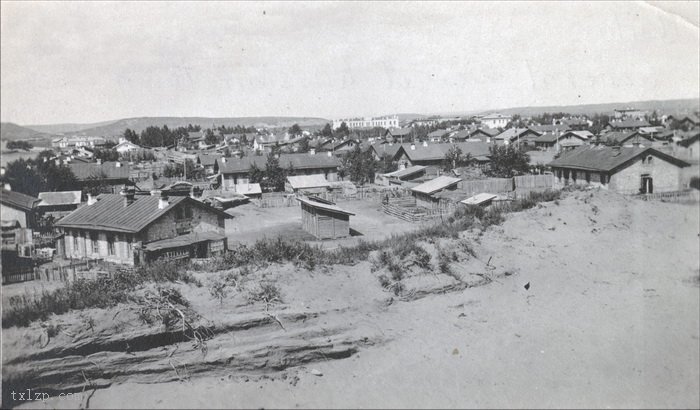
{"x": 406, "y": 172}
{"x": 608, "y": 159}
{"x": 461, "y": 135}
{"x": 323, "y": 206}
{"x": 308, "y": 181}
{"x": 435, "y": 185}
{"x": 491, "y": 132}
{"x": 434, "y": 152}
{"x": 694, "y": 138}
{"x": 548, "y": 137}
{"x": 298, "y": 161}
{"x": 691, "y": 118}
{"x": 18, "y": 200}
{"x": 110, "y": 170}
{"x": 59, "y": 198}
{"x": 583, "y": 135}
{"x": 384, "y": 149}
{"x": 438, "y": 134}
{"x": 401, "y": 132}
{"x": 110, "y": 214}
{"x": 620, "y": 137}
{"x": 548, "y": 128}
{"x": 513, "y": 133}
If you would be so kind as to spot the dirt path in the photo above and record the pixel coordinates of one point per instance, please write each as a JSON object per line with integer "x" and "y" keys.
{"x": 611, "y": 319}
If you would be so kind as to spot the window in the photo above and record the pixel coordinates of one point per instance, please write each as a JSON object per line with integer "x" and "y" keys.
{"x": 188, "y": 212}
{"x": 649, "y": 159}
{"x": 95, "y": 243}
{"x": 110, "y": 244}
{"x": 129, "y": 248}
{"x": 588, "y": 177}
{"x": 603, "y": 178}
{"x": 75, "y": 241}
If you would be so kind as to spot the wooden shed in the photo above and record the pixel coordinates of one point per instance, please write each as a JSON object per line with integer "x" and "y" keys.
{"x": 323, "y": 219}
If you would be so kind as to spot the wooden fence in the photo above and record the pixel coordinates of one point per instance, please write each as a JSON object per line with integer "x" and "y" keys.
{"x": 17, "y": 274}
{"x": 490, "y": 185}
{"x": 689, "y": 195}
{"x": 405, "y": 208}
{"x": 544, "y": 181}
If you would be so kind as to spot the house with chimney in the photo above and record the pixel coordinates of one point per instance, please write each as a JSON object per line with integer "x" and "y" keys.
{"x": 134, "y": 229}
{"x": 626, "y": 170}
{"x": 517, "y": 136}
{"x": 432, "y": 156}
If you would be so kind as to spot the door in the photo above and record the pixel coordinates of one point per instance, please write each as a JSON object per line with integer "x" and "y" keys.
{"x": 647, "y": 185}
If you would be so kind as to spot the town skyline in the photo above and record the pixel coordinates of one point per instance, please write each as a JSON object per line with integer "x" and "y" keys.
{"x": 246, "y": 60}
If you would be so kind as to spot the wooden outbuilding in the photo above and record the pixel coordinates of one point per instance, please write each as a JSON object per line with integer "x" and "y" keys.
{"x": 323, "y": 219}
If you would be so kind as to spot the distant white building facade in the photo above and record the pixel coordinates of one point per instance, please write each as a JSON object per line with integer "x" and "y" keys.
{"x": 629, "y": 113}
{"x": 495, "y": 120}
{"x": 391, "y": 121}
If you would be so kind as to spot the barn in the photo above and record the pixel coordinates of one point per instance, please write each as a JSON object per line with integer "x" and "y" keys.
{"x": 323, "y": 219}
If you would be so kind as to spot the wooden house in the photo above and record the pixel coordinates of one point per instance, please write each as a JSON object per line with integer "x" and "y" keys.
{"x": 627, "y": 170}
{"x": 16, "y": 206}
{"x": 58, "y": 204}
{"x": 323, "y": 219}
{"x": 135, "y": 229}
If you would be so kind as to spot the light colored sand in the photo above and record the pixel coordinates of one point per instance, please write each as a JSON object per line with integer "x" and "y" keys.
{"x": 611, "y": 319}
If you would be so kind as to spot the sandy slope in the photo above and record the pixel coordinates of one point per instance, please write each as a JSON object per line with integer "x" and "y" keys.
{"x": 611, "y": 319}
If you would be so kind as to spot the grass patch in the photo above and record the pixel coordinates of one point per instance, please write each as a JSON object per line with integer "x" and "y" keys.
{"x": 81, "y": 294}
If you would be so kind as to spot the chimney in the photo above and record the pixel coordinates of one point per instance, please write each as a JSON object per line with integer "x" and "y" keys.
{"x": 91, "y": 200}
{"x": 312, "y": 151}
{"x": 99, "y": 161}
{"x": 155, "y": 192}
{"x": 223, "y": 160}
{"x": 425, "y": 143}
{"x": 413, "y": 147}
{"x": 330, "y": 154}
{"x": 118, "y": 164}
{"x": 7, "y": 187}
{"x": 128, "y": 194}
{"x": 163, "y": 201}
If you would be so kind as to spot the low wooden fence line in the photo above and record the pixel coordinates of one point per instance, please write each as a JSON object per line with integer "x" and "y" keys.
{"x": 674, "y": 196}
{"x": 17, "y": 274}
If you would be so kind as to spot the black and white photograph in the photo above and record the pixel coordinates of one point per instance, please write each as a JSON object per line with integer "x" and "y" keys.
{"x": 350, "y": 204}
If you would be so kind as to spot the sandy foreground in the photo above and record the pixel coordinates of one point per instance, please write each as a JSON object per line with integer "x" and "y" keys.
{"x": 611, "y": 319}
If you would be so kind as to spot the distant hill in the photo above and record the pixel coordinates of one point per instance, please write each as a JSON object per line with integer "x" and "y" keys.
{"x": 67, "y": 128}
{"x": 675, "y": 107}
{"x": 12, "y": 131}
{"x": 115, "y": 128}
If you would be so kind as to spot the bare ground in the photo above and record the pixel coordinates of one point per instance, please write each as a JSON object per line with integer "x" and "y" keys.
{"x": 610, "y": 319}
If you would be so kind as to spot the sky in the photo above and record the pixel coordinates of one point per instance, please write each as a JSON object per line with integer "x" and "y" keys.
{"x": 63, "y": 62}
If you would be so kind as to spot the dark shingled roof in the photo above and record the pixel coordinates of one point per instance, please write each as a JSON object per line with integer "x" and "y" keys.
{"x": 298, "y": 161}
{"x": 548, "y": 128}
{"x": 401, "y": 132}
{"x": 686, "y": 142}
{"x": 110, "y": 214}
{"x": 383, "y": 149}
{"x": 438, "y": 134}
{"x": 437, "y": 151}
{"x": 601, "y": 158}
{"x": 109, "y": 169}
{"x": 18, "y": 200}
{"x": 620, "y": 137}
{"x": 208, "y": 160}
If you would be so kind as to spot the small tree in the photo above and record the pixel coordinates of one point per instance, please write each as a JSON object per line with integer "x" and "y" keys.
{"x": 210, "y": 137}
{"x": 327, "y": 131}
{"x": 303, "y": 145}
{"x": 274, "y": 174}
{"x": 454, "y": 158}
{"x": 295, "y": 130}
{"x": 342, "y": 130}
{"x": 256, "y": 174}
{"x": 508, "y": 161}
{"x": 360, "y": 166}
